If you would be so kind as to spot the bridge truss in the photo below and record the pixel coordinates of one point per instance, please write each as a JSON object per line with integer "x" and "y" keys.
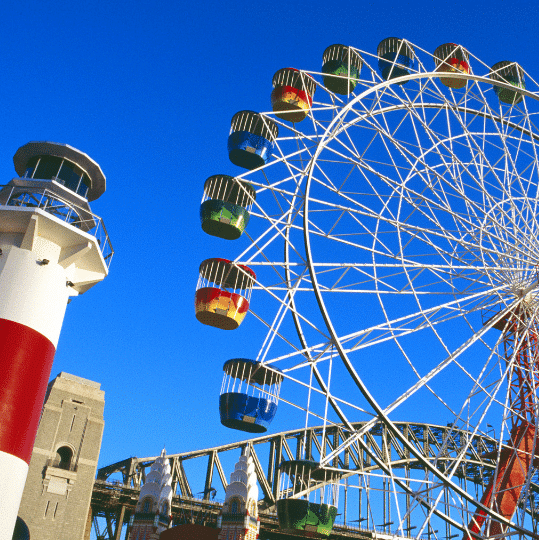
{"x": 370, "y": 500}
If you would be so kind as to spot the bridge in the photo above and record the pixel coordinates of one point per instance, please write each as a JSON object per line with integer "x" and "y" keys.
{"x": 369, "y": 508}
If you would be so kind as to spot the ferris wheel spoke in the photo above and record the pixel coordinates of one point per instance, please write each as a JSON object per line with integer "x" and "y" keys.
{"x": 531, "y": 127}
{"x": 287, "y": 304}
{"x": 451, "y": 269}
{"x": 317, "y": 358}
{"x": 443, "y": 232}
{"x": 276, "y": 267}
{"x": 459, "y": 119}
{"x": 279, "y": 317}
{"x": 278, "y": 234}
{"x": 478, "y": 151}
{"x": 451, "y": 358}
{"x": 448, "y": 160}
{"x": 289, "y": 196}
{"x": 422, "y": 382}
{"x": 279, "y": 225}
{"x": 518, "y": 173}
{"x": 416, "y": 194}
{"x": 415, "y": 321}
{"x": 409, "y": 193}
{"x": 439, "y": 398}
{"x": 386, "y": 468}
{"x": 468, "y": 418}
{"x": 444, "y": 254}
{"x": 283, "y": 338}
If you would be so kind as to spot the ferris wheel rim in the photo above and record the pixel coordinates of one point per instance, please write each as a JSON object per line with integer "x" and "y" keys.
{"x": 380, "y": 414}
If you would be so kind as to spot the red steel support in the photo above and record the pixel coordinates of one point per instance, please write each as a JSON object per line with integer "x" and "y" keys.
{"x": 503, "y": 493}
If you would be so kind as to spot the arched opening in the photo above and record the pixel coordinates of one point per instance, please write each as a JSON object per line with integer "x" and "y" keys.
{"x": 64, "y": 456}
{"x": 147, "y": 505}
{"x": 234, "y": 505}
{"x": 164, "y": 509}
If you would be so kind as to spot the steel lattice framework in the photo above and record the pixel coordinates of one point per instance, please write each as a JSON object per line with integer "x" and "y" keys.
{"x": 117, "y": 486}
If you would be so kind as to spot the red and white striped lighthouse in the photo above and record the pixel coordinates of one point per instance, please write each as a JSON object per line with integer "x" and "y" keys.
{"x": 51, "y": 248}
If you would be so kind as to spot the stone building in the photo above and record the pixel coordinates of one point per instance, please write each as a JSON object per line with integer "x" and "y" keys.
{"x": 56, "y": 499}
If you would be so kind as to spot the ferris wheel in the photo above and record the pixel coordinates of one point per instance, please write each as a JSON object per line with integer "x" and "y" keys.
{"x": 386, "y": 226}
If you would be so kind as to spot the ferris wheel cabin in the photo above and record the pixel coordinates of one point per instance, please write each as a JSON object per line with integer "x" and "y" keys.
{"x": 292, "y": 94}
{"x": 341, "y": 66}
{"x": 225, "y": 207}
{"x": 396, "y": 58}
{"x": 508, "y": 72}
{"x": 308, "y": 497}
{"x": 452, "y": 58}
{"x": 251, "y": 140}
{"x": 249, "y": 395}
{"x": 223, "y": 293}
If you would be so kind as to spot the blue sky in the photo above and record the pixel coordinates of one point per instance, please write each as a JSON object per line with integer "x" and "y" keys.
{"x": 148, "y": 89}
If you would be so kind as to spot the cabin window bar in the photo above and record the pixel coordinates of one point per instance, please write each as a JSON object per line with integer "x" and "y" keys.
{"x": 242, "y": 377}
{"x": 235, "y": 378}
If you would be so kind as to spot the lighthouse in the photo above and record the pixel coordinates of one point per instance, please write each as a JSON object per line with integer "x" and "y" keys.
{"x": 52, "y": 248}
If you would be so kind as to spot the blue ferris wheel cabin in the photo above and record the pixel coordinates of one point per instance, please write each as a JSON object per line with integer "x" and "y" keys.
{"x": 249, "y": 395}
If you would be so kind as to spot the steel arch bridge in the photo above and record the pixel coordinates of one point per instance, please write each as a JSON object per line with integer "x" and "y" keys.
{"x": 364, "y": 510}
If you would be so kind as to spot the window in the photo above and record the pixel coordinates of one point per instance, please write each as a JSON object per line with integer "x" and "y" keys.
{"x": 146, "y": 505}
{"x": 69, "y": 175}
{"x": 31, "y": 165}
{"x": 47, "y": 168}
{"x": 63, "y": 458}
{"x": 63, "y": 171}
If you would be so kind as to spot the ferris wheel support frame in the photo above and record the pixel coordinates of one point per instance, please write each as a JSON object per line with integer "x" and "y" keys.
{"x": 515, "y": 463}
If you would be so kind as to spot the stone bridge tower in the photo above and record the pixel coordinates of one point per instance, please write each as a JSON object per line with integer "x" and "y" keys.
{"x": 56, "y": 500}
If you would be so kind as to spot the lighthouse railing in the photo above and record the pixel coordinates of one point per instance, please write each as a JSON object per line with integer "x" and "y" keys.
{"x": 50, "y": 202}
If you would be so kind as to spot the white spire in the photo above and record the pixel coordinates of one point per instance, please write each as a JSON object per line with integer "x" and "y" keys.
{"x": 239, "y": 516}
{"x": 243, "y": 480}
{"x": 156, "y": 493}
